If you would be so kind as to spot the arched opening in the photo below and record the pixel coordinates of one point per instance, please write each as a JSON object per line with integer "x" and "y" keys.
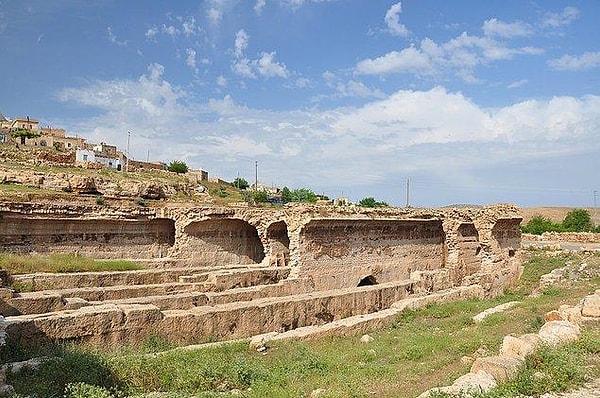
{"x": 367, "y": 281}
{"x": 224, "y": 241}
{"x": 279, "y": 244}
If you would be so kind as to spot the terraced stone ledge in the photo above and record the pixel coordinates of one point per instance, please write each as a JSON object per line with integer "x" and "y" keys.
{"x": 132, "y": 323}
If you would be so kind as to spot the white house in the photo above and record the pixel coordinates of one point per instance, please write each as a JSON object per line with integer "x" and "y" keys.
{"x": 89, "y": 156}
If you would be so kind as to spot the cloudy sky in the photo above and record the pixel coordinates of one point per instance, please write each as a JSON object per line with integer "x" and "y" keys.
{"x": 472, "y": 101}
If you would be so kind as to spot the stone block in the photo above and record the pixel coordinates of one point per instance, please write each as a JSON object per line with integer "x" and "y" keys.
{"x": 500, "y": 367}
{"x": 559, "y": 332}
{"x": 591, "y": 306}
{"x": 515, "y": 347}
{"x": 571, "y": 314}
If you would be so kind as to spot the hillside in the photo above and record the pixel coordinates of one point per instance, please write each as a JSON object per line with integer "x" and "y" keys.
{"x": 32, "y": 174}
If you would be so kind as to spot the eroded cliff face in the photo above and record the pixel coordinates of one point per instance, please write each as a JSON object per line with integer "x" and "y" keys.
{"x": 333, "y": 247}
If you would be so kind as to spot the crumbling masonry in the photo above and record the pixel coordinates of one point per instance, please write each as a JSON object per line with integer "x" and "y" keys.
{"x": 225, "y": 273}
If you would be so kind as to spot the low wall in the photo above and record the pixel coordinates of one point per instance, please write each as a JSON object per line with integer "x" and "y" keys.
{"x": 581, "y": 237}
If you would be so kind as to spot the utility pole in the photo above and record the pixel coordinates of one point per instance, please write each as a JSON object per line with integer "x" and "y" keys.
{"x": 127, "y": 162}
{"x": 407, "y": 192}
{"x": 255, "y": 175}
{"x": 595, "y": 199}
{"x": 148, "y": 156}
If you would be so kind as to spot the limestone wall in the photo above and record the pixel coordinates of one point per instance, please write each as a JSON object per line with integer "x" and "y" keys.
{"x": 94, "y": 237}
{"x": 335, "y": 247}
{"x": 345, "y": 253}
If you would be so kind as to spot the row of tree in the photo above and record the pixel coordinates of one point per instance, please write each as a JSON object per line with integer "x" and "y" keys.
{"x": 577, "y": 220}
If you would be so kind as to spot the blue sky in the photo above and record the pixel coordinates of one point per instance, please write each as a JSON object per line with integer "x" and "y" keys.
{"x": 473, "y": 101}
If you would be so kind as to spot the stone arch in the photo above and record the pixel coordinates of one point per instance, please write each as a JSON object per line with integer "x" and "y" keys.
{"x": 368, "y": 280}
{"x": 224, "y": 241}
{"x": 279, "y": 244}
{"x": 469, "y": 261}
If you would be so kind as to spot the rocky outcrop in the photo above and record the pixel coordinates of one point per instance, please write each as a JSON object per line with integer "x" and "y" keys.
{"x": 98, "y": 185}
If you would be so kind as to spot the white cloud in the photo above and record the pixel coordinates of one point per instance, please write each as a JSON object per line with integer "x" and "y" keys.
{"x": 170, "y": 30}
{"x": 392, "y": 20}
{"x": 214, "y": 15}
{"x": 357, "y": 89}
{"x": 587, "y": 60}
{"x": 191, "y": 59}
{"x": 408, "y": 60}
{"x": 241, "y": 42}
{"x": 189, "y": 27}
{"x": 151, "y": 33}
{"x": 555, "y": 20}
{"x": 268, "y": 67}
{"x": 221, "y": 81}
{"x": 113, "y": 38}
{"x": 434, "y": 131}
{"x": 461, "y": 54}
{"x": 265, "y": 66}
{"x": 259, "y": 5}
{"x": 243, "y": 67}
{"x": 518, "y": 83}
{"x": 494, "y": 27}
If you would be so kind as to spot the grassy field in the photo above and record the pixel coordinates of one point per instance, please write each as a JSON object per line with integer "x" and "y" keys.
{"x": 57, "y": 262}
{"x": 422, "y": 349}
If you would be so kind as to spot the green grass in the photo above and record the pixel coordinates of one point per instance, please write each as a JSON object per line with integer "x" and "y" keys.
{"x": 420, "y": 350}
{"x": 26, "y": 264}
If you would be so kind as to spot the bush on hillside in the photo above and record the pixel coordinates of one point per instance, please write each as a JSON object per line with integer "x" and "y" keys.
{"x": 177, "y": 166}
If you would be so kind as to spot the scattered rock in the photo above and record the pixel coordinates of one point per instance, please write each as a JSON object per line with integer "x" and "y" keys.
{"x": 559, "y": 332}
{"x": 366, "y": 339}
{"x": 499, "y": 308}
{"x": 516, "y": 347}
{"x": 466, "y": 385}
{"x": 317, "y": 393}
{"x": 260, "y": 342}
{"x": 591, "y": 306}
{"x": 500, "y": 367}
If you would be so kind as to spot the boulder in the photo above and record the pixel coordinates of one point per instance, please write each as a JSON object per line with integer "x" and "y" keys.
{"x": 559, "y": 332}
{"x": 516, "y": 347}
{"x": 466, "y": 385}
{"x": 500, "y": 367}
{"x": 366, "y": 339}
{"x": 591, "y": 306}
{"x": 83, "y": 184}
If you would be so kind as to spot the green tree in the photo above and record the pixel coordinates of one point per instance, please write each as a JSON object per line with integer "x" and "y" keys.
{"x": 25, "y": 134}
{"x": 178, "y": 167}
{"x": 240, "y": 183}
{"x": 286, "y": 195}
{"x": 255, "y": 197}
{"x": 578, "y": 220}
{"x": 371, "y": 202}
{"x": 538, "y": 225}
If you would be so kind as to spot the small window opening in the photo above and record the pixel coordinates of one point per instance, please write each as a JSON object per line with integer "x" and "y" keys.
{"x": 367, "y": 281}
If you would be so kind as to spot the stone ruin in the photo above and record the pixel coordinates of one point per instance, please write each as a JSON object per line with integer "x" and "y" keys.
{"x": 220, "y": 273}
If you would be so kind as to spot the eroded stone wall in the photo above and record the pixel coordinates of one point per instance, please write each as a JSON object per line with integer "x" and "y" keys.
{"x": 223, "y": 241}
{"x": 94, "y": 237}
{"x": 342, "y": 253}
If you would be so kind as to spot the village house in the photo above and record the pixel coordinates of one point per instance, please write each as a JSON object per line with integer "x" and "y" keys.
{"x": 104, "y": 154}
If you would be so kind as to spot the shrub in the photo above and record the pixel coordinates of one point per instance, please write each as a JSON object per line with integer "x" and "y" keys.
{"x": 83, "y": 390}
{"x": 371, "y": 202}
{"x": 178, "y": 167}
{"x": 100, "y": 200}
{"x": 240, "y": 183}
{"x": 540, "y": 224}
{"x": 577, "y": 220}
